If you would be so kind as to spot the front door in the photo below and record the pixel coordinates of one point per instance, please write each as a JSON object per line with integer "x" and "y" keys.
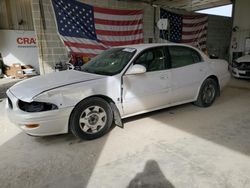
{"x": 144, "y": 92}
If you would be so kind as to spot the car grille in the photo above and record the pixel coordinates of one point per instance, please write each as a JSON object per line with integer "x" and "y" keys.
{"x": 244, "y": 66}
{"x": 247, "y": 74}
{"x": 10, "y": 103}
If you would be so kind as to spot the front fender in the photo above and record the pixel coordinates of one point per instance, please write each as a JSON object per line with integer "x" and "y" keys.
{"x": 64, "y": 97}
{"x": 69, "y": 96}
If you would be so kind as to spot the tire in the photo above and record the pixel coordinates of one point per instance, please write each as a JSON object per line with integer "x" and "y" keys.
{"x": 91, "y": 118}
{"x": 208, "y": 93}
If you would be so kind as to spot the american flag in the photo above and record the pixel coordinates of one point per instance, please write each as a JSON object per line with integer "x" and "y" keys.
{"x": 187, "y": 29}
{"x": 87, "y": 30}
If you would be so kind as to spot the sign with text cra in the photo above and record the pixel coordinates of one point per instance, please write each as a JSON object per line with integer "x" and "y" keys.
{"x": 27, "y": 42}
{"x": 19, "y": 47}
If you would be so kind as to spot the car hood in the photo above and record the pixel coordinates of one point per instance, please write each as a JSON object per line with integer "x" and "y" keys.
{"x": 245, "y": 59}
{"x": 28, "y": 89}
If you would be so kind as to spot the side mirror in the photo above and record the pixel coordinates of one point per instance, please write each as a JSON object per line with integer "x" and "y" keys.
{"x": 136, "y": 69}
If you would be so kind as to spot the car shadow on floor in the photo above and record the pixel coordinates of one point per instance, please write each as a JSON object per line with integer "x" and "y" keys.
{"x": 152, "y": 176}
{"x": 226, "y": 122}
{"x": 52, "y": 161}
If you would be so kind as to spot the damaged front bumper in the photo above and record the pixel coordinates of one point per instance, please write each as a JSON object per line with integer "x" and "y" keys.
{"x": 47, "y": 123}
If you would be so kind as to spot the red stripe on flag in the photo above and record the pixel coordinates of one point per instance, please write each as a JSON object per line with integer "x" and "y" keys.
{"x": 118, "y": 33}
{"x": 202, "y": 43}
{"x": 191, "y": 17}
{"x": 194, "y": 39}
{"x": 119, "y": 23}
{"x": 193, "y": 32}
{"x": 117, "y": 12}
{"x": 194, "y": 24}
{"x": 82, "y": 45}
{"x": 122, "y": 43}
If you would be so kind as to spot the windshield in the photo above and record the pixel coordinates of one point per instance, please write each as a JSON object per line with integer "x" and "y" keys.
{"x": 110, "y": 62}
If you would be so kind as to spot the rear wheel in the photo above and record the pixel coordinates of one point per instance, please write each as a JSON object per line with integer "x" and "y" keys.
{"x": 91, "y": 118}
{"x": 208, "y": 93}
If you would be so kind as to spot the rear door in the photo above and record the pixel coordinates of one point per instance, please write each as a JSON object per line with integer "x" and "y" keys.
{"x": 142, "y": 92}
{"x": 188, "y": 70}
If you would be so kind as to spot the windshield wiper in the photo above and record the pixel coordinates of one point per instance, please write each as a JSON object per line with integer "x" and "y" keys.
{"x": 103, "y": 73}
{"x": 86, "y": 70}
{"x": 97, "y": 72}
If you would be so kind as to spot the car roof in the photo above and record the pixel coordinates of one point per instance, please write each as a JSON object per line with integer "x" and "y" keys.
{"x": 140, "y": 47}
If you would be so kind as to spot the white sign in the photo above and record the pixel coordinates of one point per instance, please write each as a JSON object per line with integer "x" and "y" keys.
{"x": 162, "y": 24}
{"x": 19, "y": 47}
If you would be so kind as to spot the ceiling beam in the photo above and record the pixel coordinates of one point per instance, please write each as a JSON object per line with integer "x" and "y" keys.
{"x": 191, "y": 5}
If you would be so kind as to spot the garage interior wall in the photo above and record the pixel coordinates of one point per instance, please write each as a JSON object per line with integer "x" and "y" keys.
{"x": 52, "y": 50}
{"x": 219, "y": 35}
{"x": 241, "y": 21}
{"x": 16, "y": 15}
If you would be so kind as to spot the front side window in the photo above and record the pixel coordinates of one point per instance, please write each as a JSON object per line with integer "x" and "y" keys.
{"x": 183, "y": 56}
{"x": 152, "y": 59}
{"x": 110, "y": 62}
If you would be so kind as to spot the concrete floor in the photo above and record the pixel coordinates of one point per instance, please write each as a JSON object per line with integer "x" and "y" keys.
{"x": 179, "y": 147}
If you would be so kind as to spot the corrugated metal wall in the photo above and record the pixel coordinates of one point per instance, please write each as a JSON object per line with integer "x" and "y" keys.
{"x": 16, "y": 15}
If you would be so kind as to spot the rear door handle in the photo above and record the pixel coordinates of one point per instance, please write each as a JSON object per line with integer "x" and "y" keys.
{"x": 163, "y": 77}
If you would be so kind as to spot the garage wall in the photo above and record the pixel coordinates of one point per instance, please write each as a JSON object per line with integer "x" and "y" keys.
{"x": 241, "y": 21}
{"x": 51, "y": 49}
{"x": 19, "y": 46}
{"x": 219, "y": 35}
{"x": 3, "y": 16}
{"x": 12, "y": 12}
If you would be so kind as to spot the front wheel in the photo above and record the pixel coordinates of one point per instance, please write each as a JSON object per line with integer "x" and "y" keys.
{"x": 208, "y": 93}
{"x": 91, "y": 118}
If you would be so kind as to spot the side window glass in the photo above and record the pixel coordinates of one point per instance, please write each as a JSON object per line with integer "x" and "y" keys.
{"x": 196, "y": 56}
{"x": 158, "y": 62}
{"x": 143, "y": 59}
{"x": 183, "y": 56}
{"x": 153, "y": 59}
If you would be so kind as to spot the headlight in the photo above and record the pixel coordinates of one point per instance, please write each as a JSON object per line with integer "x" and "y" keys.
{"x": 235, "y": 64}
{"x": 36, "y": 106}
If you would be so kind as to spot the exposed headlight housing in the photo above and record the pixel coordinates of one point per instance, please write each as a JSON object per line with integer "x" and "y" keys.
{"x": 36, "y": 106}
{"x": 235, "y": 64}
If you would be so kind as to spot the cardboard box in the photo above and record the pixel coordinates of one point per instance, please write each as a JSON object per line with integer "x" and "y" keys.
{"x": 17, "y": 71}
{"x": 19, "y": 74}
{"x": 17, "y": 66}
{"x": 9, "y": 72}
{"x": 27, "y": 67}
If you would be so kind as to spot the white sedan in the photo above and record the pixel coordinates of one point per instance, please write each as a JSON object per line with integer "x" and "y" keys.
{"x": 119, "y": 83}
{"x": 240, "y": 68}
